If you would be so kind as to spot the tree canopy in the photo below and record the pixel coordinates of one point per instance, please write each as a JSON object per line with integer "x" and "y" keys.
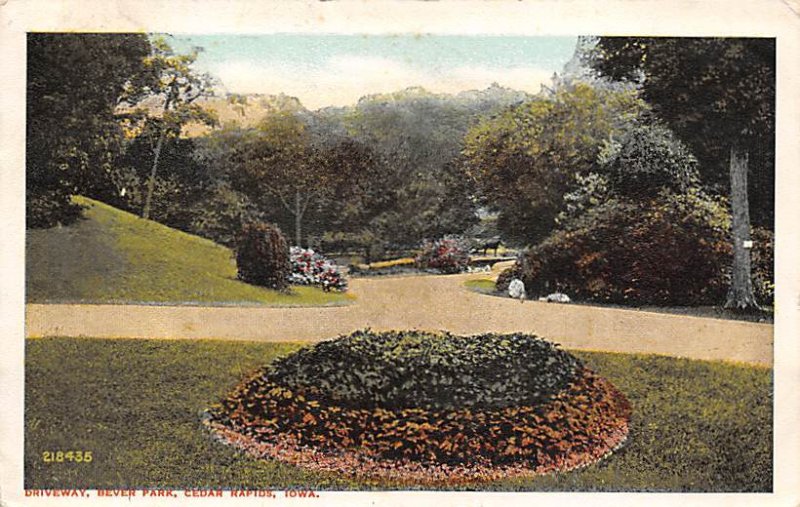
{"x": 75, "y": 83}
{"x": 710, "y": 91}
{"x": 526, "y": 158}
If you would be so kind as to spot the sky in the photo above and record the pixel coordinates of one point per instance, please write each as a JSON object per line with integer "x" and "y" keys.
{"x": 336, "y": 70}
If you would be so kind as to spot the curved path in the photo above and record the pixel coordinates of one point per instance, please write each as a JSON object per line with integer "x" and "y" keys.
{"x": 420, "y": 302}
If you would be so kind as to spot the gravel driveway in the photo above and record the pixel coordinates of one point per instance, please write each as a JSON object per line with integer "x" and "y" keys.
{"x": 420, "y": 302}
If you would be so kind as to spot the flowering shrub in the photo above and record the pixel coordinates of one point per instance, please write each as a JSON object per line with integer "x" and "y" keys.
{"x": 447, "y": 255}
{"x": 427, "y": 408}
{"x": 505, "y": 277}
{"x": 311, "y": 268}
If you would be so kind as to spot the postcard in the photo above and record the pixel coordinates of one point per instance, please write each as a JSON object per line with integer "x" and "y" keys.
{"x": 456, "y": 253}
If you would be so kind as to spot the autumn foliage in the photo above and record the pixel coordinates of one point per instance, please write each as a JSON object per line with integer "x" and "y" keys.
{"x": 408, "y": 405}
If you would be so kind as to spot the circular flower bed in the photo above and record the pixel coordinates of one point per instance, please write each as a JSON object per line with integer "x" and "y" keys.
{"x": 423, "y": 408}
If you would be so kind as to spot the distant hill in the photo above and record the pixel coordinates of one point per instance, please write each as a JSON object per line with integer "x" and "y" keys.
{"x": 243, "y": 110}
{"x": 111, "y": 256}
{"x": 246, "y": 110}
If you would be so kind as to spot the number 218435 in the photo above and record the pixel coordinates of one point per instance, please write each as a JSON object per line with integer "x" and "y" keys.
{"x": 67, "y": 456}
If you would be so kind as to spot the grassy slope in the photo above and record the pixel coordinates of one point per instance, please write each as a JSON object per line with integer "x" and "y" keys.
{"x": 697, "y": 426}
{"x": 114, "y": 256}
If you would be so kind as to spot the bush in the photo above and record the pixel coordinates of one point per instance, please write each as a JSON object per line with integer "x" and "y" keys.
{"x": 311, "y": 268}
{"x": 447, "y": 255}
{"x": 383, "y": 403}
{"x": 672, "y": 249}
{"x": 763, "y": 265}
{"x": 48, "y": 209}
{"x": 591, "y": 190}
{"x": 505, "y": 277}
{"x": 418, "y": 370}
{"x": 262, "y": 255}
{"x": 647, "y": 160}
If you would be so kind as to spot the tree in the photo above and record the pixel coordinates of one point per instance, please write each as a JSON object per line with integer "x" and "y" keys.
{"x": 183, "y": 185}
{"x": 75, "y": 83}
{"x": 361, "y": 198}
{"x": 278, "y": 162}
{"x": 177, "y": 86}
{"x": 525, "y": 159}
{"x": 223, "y": 209}
{"x": 419, "y": 136}
{"x": 238, "y": 102}
{"x": 718, "y": 95}
{"x": 646, "y": 160}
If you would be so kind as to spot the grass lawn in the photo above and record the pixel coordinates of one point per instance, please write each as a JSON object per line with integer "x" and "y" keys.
{"x": 111, "y": 256}
{"x": 135, "y": 404}
{"x": 482, "y": 285}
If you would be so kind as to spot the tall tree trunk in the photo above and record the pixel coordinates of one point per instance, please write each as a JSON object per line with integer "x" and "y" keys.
{"x": 151, "y": 181}
{"x": 740, "y": 293}
{"x": 298, "y": 219}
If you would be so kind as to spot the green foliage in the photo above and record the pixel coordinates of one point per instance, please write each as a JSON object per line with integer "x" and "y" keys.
{"x": 646, "y": 160}
{"x": 763, "y": 262}
{"x": 525, "y": 159}
{"x": 592, "y": 190}
{"x": 419, "y": 136}
{"x": 74, "y": 84}
{"x": 221, "y": 213}
{"x": 48, "y": 208}
{"x": 727, "y": 96}
{"x": 671, "y": 249}
{"x": 699, "y": 426}
{"x": 262, "y": 256}
{"x": 379, "y": 175}
{"x": 430, "y": 371}
{"x": 225, "y": 201}
{"x": 180, "y": 190}
{"x": 304, "y": 186}
{"x": 115, "y": 257}
{"x": 177, "y": 86}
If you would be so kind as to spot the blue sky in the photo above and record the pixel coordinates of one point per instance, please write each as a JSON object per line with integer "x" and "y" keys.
{"x": 324, "y": 70}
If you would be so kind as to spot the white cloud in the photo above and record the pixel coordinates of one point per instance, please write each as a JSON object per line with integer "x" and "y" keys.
{"x": 345, "y": 78}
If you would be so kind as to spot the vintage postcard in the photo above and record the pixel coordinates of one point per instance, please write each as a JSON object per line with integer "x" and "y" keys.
{"x": 380, "y": 253}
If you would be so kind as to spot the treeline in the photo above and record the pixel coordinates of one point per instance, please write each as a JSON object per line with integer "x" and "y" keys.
{"x": 384, "y": 173}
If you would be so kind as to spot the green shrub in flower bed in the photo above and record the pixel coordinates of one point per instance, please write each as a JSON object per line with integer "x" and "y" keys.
{"x": 427, "y": 408}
